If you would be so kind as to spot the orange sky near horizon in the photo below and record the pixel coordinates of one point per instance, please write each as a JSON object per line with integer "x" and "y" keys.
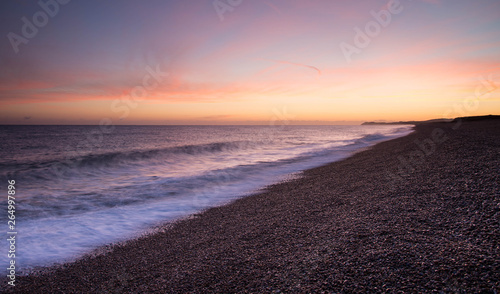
{"x": 260, "y": 62}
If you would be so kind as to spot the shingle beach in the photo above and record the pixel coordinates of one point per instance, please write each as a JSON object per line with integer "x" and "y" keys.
{"x": 417, "y": 214}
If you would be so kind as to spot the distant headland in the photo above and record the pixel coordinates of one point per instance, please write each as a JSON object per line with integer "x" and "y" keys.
{"x": 438, "y": 120}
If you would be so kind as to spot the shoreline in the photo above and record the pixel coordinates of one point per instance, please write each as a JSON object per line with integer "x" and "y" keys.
{"x": 61, "y": 245}
{"x": 384, "y": 219}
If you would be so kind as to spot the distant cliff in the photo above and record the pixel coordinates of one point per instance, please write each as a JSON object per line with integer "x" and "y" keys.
{"x": 389, "y": 123}
{"x": 415, "y": 122}
{"x": 477, "y": 118}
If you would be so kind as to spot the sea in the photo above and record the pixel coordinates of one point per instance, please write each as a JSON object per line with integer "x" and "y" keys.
{"x": 79, "y": 188}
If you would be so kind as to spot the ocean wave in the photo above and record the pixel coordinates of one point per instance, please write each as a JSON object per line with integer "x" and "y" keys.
{"x": 65, "y": 165}
{"x": 152, "y": 188}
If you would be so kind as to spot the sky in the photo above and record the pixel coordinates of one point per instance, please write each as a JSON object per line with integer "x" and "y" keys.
{"x": 247, "y": 62}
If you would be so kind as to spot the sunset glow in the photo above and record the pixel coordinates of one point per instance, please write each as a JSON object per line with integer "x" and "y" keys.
{"x": 252, "y": 62}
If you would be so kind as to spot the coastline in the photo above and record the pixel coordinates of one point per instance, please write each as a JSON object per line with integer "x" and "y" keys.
{"x": 382, "y": 220}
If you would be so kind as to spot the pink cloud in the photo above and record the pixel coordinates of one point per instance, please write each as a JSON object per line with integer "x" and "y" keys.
{"x": 295, "y": 63}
